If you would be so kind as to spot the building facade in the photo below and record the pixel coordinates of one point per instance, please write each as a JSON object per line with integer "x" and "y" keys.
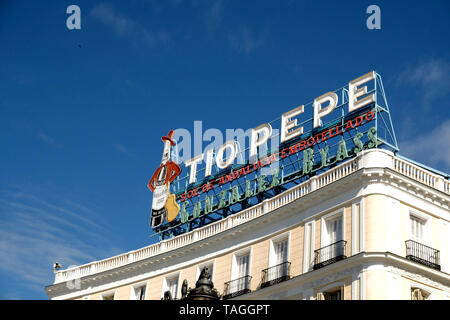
{"x": 374, "y": 227}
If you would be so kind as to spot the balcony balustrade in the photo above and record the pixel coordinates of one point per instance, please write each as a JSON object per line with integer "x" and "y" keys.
{"x": 422, "y": 254}
{"x": 237, "y": 287}
{"x": 329, "y": 254}
{"x": 276, "y": 274}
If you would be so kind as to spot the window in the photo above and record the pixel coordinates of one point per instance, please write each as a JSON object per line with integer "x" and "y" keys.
{"x": 243, "y": 265}
{"x": 172, "y": 286}
{"x": 240, "y": 275}
{"x": 419, "y": 294}
{"x": 243, "y": 270}
{"x": 417, "y": 229}
{"x": 280, "y": 251}
{"x": 138, "y": 292}
{"x": 333, "y": 231}
{"x": 332, "y": 244}
{"x": 278, "y": 266}
{"x": 419, "y": 246}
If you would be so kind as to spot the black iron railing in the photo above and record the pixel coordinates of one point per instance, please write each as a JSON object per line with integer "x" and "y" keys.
{"x": 237, "y": 287}
{"x": 422, "y": 254}
{"x": 275, "y": 274}
{"x": 329, "y": 254}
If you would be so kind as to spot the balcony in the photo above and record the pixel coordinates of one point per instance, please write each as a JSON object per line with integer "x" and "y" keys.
{"x": 329, "y": 254}
{"x": 276, "y": 274}
{"x": 237, "y": 287}
{"x": 422, "y": 254}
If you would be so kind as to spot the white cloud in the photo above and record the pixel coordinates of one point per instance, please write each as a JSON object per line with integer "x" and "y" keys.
{"x": 215, "y": 8}
{"x": 431, "y": 79}
{"x": 244, "y": 40}
{"x": 123, "y": 149}
{"x": 124, "y": 26}
{"x": 431, "y": 148}
{"x": 212, "y": 14}
{"x": 108, "y": 16}
{"x": 38, "y": 230}
{"x": 120, "y": 148}
{"x": 47, "y": 139}
{"x": 426, "y": 74}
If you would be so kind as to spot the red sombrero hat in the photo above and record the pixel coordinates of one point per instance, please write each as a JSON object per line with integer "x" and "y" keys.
{"x": 169, "y": 138}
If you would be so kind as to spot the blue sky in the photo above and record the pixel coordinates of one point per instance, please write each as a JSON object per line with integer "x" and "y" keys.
{"x": 82, "y": 111}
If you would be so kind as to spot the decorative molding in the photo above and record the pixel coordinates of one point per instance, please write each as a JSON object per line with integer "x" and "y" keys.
{"x": 418, "y": 278}
{"x": 332, "y": 278}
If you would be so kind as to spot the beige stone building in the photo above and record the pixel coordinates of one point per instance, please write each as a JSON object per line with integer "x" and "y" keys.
{"x": 374, "y": 227}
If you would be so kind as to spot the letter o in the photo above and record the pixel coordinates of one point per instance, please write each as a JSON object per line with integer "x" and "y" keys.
{"x": 232, "y": 145}
{"x": 371, "y": 115}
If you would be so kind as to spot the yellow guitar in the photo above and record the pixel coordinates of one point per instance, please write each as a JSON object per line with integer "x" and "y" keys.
{"x": 172, "y": 206}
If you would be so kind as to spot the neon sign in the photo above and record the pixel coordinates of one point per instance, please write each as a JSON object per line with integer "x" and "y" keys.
{"x": 335, "y": 126}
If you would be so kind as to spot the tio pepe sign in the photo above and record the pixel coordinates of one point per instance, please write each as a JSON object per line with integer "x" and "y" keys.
{"x": 166, "y": 208}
